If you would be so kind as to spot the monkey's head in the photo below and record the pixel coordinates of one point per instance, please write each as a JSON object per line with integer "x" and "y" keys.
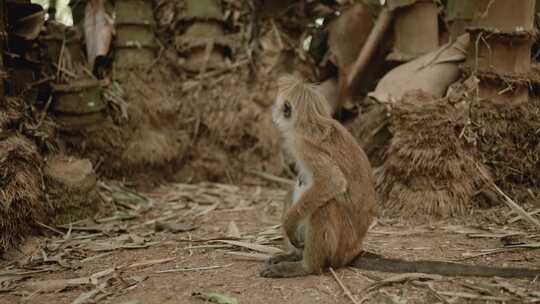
{"x": 299, "y": 106}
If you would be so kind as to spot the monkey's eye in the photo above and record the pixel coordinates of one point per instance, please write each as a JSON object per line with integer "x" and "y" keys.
{"x": 287, "y": 109}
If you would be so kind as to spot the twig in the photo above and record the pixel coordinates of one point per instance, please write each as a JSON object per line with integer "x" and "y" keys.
{"x": 43, "y": 114}
{"x": 215, "y": 73}
{"x": 60, "y": 56}
{"x": 509, "y": 201}
{"x": 259, "y": 257}
{"x": 95, "y": 257}
{"x": 271, "y": 177}
{"x": 517, "y": 218}
{"x": 63, "y": 70}
{"x": 24, "y": 273}
{"x": 193, "y": 269}
{"x": 402, "y": 278}
{"x": 345, "y": 289}
{"x": 493, "y": 251}
{"x": 431, "y": 290}
{"x": 151, "y": 263}
{"x": 158, "y": 57}
{"x": 50, "y": 228}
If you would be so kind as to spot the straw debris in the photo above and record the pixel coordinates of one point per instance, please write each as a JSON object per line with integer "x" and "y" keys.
{"x": 20, "y": 190}
{"x": 509, "y": 142}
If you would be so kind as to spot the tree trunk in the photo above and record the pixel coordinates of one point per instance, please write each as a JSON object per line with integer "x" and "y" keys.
{"x": 203, "y": 42}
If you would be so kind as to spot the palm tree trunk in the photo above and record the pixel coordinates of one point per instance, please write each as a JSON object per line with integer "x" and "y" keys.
{"x": 501, "y": 40}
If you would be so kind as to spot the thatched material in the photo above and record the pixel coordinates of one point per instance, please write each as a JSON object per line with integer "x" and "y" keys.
{"x": 71, "y": 188}
{"x": 509, "y": 141}
{"x": 188, "y": 129}
{"x": 20, "y": 190}
{"x": 11, "y": 111}
{"x": 151, "y": 147}
{"x": 428, "y": 171}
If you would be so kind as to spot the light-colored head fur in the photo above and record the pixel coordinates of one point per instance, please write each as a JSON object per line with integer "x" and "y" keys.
{"x": 301, "y": 108}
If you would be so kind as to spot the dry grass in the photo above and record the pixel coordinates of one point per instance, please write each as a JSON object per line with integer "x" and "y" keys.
{"x": 231, "y": 128}
{"x": 428, "y": 171}
{"x": 508, "y": 138}
{"x": 193, "y": 128}
{"x": 21, "y": 201}
{"x": 11, "y": 111}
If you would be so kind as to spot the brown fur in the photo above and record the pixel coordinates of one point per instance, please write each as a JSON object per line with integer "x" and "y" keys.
{"x": 326, "y": 224}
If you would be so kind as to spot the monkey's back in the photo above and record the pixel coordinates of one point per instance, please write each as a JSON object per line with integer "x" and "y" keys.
{"x": 355, "y": 214}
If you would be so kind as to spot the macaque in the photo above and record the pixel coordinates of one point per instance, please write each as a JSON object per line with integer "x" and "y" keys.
{"x": 332, "y": 205}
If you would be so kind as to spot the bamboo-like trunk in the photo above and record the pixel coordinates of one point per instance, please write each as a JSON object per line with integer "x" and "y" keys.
{"x": 501, "y": 46}
{"x": 201, "y": 38}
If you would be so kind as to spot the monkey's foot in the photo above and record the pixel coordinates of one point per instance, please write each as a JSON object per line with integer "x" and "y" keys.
{"x": 284, "y": 257}
{"x": 284, "y": 270}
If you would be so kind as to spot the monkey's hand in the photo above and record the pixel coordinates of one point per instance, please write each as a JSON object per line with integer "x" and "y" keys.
{"x": 290, "y": 226}
{"x": 328, "y": 183}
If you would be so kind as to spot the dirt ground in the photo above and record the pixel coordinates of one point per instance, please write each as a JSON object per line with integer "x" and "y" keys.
{"x": 127, "y": 258}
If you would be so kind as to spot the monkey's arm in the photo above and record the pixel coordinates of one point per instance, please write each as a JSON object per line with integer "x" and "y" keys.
{"x": 374, "y": 262}
{"x": 328, "y": 182}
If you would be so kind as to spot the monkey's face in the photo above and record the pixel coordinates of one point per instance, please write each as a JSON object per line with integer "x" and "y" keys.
{"x": 283, "y": 114}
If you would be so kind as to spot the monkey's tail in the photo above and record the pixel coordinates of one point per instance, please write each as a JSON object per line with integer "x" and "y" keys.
{"x": 374, "y": 262}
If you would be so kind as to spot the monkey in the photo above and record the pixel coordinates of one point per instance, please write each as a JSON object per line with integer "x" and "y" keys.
{"x": 332, "y": 205}
{"x": 329, "y": 210}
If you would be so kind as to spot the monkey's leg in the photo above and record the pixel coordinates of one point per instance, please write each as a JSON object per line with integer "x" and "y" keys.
{"x": 320, "y": 244}
{"x": 293, "y": 254}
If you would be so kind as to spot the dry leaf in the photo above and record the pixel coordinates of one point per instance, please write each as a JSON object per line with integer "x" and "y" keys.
{"x": 174, "y": 228}
{"x": 233, "y": 230}
{"x": 48, "y": 286}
